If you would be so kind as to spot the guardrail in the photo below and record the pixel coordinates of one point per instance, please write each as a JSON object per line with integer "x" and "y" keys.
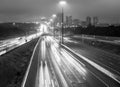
{"x": 114, "y": 79}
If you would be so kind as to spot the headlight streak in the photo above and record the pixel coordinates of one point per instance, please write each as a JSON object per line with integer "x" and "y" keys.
{"x": 53, "y": 84}
{"x": 72, "y": 60}
{"x": 57, "y": 67}
{"x": 43, "y": 28}
{"x": 64, "y": 83}
{"x": 43, "y": 49}
{"x": 45, "y": 72}
{"x": 68, "y": 64}
{"x": 44, "y": 76}
{"x": 79, "y": 70}
{"x": 69, "y": 71}
{"x": 41, "y": 76}
{"x": 7, "y": 45}
{"x": 47, "y": 75}
{"x": 71, "y": 64}
{"x": 68, "y": 40}
{"x": 54, "y": 80}
{"x": 98, "y": 67}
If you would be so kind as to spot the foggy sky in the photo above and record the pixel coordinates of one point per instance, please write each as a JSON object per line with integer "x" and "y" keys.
{"x": 32, "y": 10}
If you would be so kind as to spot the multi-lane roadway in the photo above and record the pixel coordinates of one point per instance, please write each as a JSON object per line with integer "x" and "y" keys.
{"x": 55, "y": 65}
{"x": 9, "y": 44}
{"x": 72, "y": 64}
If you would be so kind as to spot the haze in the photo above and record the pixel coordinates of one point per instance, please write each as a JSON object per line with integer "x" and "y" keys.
{"x": 31, "y": 10}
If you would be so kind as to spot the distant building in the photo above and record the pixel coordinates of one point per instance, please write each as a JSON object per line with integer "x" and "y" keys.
{"x": 76, "y": 22}
{"x": 102, "y": 25}
{"x": 95, "y": 21}
{"x": 88, "y": 20}
{"x": 116, "y": 25}
{"x": 68, "y": 20}
{"x": 59, "y": 18}
{"x": 83, "y": 24}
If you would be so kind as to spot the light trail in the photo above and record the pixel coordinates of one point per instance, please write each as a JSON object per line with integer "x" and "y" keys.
{"x": 64, "y": 83}
{"x": 56, "y": 67}
{"x": 73, "y": 62}
{"x": 43, "y": 28}
{"x": 53, "y": 75}
{"x": 68, "y": 65}
{"x": 43, "y": 50}
{"x": 47, "y": 75}
{"x": 98, "y": 67}
{"x": 7, "y": 45}
{"x": 41, "y": 76}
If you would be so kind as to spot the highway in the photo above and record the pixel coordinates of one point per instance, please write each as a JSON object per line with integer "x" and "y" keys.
{"x": 72, "y": 64}
{"x": 108, "y": 60}
{"x": 55, "y": 65}
{"x": 103, "y": 61}
{"x": 9, "y": 44}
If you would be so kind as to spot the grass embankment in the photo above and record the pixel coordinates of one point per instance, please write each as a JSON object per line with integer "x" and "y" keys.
{"x": 109, "y": 47}
{"x": 9, "y": 30}
{"x": 13, "y": 65}
{"x": 112, "y": 48}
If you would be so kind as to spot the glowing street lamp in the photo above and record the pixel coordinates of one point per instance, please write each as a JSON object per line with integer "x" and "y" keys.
{"x": 54, "y": 16}
{"x": 51, "y": 20}
{"x": 62, "y": 4}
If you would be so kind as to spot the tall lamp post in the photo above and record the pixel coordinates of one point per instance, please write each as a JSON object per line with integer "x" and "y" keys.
{"x": 51, "y": 23}
{"x": 62, "y": 4}
{"x": 54, "y": 16}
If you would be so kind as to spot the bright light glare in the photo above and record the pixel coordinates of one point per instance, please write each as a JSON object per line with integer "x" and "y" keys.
{"x": 62, "y": 3}
{"x": 64, "y": 83}
{"x": 43, "y": 49}
{"x": 41, "y": 76}
{"x": 51, "y": 20}
{"x": 43, "y": 28}
{"x": 36, "y": 22}
{"x": 54, "y": 16}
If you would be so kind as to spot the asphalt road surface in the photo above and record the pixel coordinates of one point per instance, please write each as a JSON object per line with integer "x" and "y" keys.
{"x": 72, "y": 64}
{"x": 107, "y": 63}
{"x": 9, "y": 44}
{"x": 53, "y": 65}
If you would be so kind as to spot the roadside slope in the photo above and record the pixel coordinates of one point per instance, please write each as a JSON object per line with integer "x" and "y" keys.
{"x": 14, "y": 64}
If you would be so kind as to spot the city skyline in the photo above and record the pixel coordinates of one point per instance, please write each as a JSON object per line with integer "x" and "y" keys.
{"x": 32, "y": 10}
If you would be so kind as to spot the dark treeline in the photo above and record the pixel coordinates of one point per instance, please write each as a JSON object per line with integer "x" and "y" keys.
{"x": 10, "y": 29}
{"x": 100, "y": 31}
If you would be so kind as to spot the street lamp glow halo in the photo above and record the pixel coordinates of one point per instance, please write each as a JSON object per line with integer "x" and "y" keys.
{"x": 54, "y": 15}
{"x": 62, "y": 3}
{"x": 51, "y": 20}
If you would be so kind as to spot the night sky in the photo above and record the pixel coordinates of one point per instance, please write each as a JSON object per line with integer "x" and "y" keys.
{"x": 32, "y": 10}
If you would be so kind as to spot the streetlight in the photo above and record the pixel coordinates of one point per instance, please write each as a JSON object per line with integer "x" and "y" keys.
{"x": 62, "y": 4}
{"x": 54, "y": 16}
{"x": 51, "y": 20}
{"x": 51, "y": 24}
